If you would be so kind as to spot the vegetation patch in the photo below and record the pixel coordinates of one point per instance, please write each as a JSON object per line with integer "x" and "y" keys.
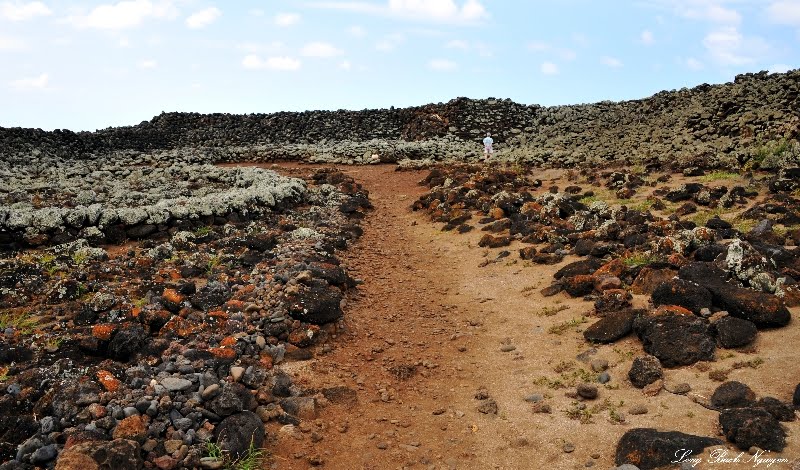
{"x": 640, "y": 258}
{"x": 561, "y": 328}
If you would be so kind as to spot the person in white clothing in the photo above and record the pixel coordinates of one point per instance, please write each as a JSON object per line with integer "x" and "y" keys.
{"x": 487, "y": 146}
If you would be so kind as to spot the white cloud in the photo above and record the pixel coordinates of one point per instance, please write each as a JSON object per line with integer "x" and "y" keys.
{"x": 282, "y": 63}
{"x": 647, "y": 37}
{"x": 714, "y": 11}
{"x": 21, "y": 11}
{"x": 567, "y": 54}
{"x": 728, "y": 47}
{"x": 443, "y": 11}
{"x": 564, "y": 53}
{"x": 779, "y": 68}
{"x": 694, "y": 64}
{"x": 286, "y": 19}
{"x": 31, "y": 83}
{"x": 720, "y": 14}
{"x": 483, "y": 49}
{"x": 357, "y": 31}
{"x": 273, "y": 47}
{"x": 390, "y": 43}
{"x": 478, "y": 47}
{"x": 549, "y": 68}
{"x": 345, "y": 65}
{"x": 147, "y": 64}
{"x": 580, "y": 39}
{"x": 320, "y": 49}
{"x": 442, "y": 65}
{"x": 11, "y": 44}
{"x": 203, "y": 18}
{"x": 124, "y": 15}
{"x": 784, "y": 12}
{"x": 539, "y": 46}
{"x": 457, "y": 44}
{"x": 612, "y": 62}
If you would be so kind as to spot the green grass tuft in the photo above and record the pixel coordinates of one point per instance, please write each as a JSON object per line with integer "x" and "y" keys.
{"x": 561, "y": 328}
{"x": 640, "y": 259}
{"x": 19, "y": 322}
{"x": 719, "y": 176}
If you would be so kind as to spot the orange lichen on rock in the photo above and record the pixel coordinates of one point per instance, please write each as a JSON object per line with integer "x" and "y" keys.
{"x": 170, "y": 273}
{"x": 497, "y": 213}
{"x": 247, "y": 289}
{"x": 228, "y": 341}
{"x": 266, "y": 360}
{"x": 108, "y": 381}
{"x": 180, "y": 327}
{"x": 223, "y": 353}
{"x": 103, "y": 331}
{"x": 218, "y": 315}
{"x": 614, "y": 268}
{"x": 234, "y": 305}
{"x": 673, "y": 310}
{"x": 171, "y": 295}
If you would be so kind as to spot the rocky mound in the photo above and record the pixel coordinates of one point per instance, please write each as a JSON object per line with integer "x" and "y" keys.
{"x": 107, "y": 200}
{"x": 725, "y": 125}
{"x": 119, "y": 358}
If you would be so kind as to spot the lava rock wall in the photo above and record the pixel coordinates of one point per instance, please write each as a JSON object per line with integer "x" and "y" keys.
{"x": 711, "y": 125}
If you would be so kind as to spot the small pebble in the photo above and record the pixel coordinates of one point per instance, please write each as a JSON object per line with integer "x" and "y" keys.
{"x": 507, "y": 347}
{"x": 680, "y": 389}
{"x": 569, "y": 448}
{"x": 541, "y": 408}
{"x": 382, "y": 445}
{"x": 638, "y": 410}
{"x": 587, "y": 391}
{"x": 236, "y": 373}
{"x": 599, "y": 365}
{"x": 534, "y": 398}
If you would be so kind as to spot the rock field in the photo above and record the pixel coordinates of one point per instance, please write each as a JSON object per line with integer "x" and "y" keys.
{"x": 154, "y": 280}
{"x": 713, "y": 283}
{"x": 135, "y": 343}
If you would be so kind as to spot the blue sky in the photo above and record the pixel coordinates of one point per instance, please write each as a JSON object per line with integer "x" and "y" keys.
{"x": 84, "y": 65}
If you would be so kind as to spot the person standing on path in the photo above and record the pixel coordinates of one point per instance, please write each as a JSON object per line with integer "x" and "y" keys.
{"x": 487, "y": 146}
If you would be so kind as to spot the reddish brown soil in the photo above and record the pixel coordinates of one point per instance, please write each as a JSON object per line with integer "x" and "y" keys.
{"x": 427, "y": 329}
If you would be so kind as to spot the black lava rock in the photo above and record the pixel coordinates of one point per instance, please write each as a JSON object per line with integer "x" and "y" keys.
{"x": 644, "y": 371}
{"x": 676, "y": 340}
{"x": 735, "y": 332}
{"x": 237, "y": 433}
{"x": 686, "y": 294}
{"x": 584, "y": 266}
{"x": 613, "y": 326}
{"x": 748, "y": 427}
{"x": 126, "y": 342}
{"x": 733, "y": 394}
{"x": 780, "y": 410}
{"x": 765, "y": 310}
{"x": 648, "y": 448}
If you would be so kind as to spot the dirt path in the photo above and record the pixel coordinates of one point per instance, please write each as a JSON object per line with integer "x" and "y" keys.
{"x": 429, "y": 328}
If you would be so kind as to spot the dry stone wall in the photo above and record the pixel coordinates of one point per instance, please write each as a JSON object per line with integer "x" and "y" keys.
{"x": 716, "y": 125}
